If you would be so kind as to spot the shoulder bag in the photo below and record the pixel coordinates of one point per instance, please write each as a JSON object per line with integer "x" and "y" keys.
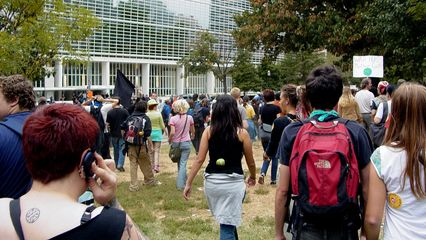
{"x": 175, "y": 152}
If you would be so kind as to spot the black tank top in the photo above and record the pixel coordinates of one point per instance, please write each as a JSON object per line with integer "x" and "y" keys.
{"x": 109, "y": 224}
{"x": 231, "y": 151}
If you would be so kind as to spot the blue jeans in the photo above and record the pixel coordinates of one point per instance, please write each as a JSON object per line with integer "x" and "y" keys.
{"x": 118, "y": 145}
{"x": 274, "y": 167}
{"x": 181, "y": 177}
{"x": 228, "y": 232}
{"x": 265, "y": 165}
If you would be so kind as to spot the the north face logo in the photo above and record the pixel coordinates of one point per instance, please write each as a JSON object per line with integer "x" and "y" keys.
{"x": 322, "y": 164}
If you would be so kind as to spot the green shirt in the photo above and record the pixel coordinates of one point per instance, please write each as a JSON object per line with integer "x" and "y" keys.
{"x": 156, "y": 120}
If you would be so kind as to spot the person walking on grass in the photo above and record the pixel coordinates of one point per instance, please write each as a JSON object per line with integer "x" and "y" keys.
{"x": 136, "y": 132}
{"x": 323, "y": 159}
{"x": 158, "y": 128}
{"x": 288, "y": 103}
{"x": 226, "y": 141}
{"x": 182, "y": 131}
{"x": 115, "y": 117}
{"x": 397, "y": 180}
{"x": 267, "y": 114}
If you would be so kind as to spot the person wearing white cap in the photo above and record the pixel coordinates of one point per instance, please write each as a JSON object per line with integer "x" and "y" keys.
{"x": 158, "y": 128}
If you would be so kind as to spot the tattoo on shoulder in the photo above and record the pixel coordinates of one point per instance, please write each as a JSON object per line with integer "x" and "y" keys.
{"x": 32, "y": 215}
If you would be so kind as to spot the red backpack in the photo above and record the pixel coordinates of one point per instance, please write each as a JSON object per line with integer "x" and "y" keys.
{"x": 324, "y": 169}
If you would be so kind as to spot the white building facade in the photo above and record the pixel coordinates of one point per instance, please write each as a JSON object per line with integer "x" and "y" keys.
{"x": 145, "y": 39}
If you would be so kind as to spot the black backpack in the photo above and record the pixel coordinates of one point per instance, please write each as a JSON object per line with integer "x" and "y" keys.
{"x": 135, "y": 130}
{"x": 97, "y": 115}
{"x": 198, "y": 117}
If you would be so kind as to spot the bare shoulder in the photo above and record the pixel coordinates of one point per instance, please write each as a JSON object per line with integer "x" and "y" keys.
{"x": 243, "y": 134}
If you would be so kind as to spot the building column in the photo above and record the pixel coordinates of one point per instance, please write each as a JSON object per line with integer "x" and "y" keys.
{"x": 210, "y": 83}
{"x": 58, "y": 74}
{"x": 180, "y": 76}
{"x": 105, "y": 75}
{"x": 145, "y": 79}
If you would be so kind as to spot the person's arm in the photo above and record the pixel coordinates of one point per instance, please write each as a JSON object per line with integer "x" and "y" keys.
{"x": 192, "y": 131}
{"x": 201, "y": 157}
{"x": 248, "y": 154}
{"x": 172, "y": 133}
{"x": 281, "y": 196}
{"x": 375, "y": 205}
{"x": 131, "y": 230}
{"x": 379, "y": 114}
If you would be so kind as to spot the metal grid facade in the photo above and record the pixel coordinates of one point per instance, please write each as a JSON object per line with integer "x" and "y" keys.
{"x": 153, "y": 30}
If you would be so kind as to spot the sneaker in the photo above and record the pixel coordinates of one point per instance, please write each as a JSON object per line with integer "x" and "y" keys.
{"x": 133, "y": 189}
{"x": 273, "y": 182}
{"x": 153, "y": 183}
{"x": 261, "y": 179}
{"x": 121, "y": 169}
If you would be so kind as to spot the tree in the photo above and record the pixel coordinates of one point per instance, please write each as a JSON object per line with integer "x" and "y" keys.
{"x": 392, "y": 28}
{"x": 244, "y": 73}
{"x": 32, "y": 33}
{"x": 208, "y": 55}
{"x": 295, "y": 67}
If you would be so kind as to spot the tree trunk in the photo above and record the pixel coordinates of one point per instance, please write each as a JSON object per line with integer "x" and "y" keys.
{"x": 225, "y": 90}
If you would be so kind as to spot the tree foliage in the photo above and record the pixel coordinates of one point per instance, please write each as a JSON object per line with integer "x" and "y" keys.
{"x": 295, "y": 67}
{"x": 244, "y": 73}
{"x": 33, "y": 32}
{"x": 392, "y": 28}
{"x": 208, "y": 55}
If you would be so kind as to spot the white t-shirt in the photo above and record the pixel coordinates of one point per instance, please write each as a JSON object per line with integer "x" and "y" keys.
{"x": 364, "y": 98}
{"x": 379, "y": 113}
{"x": 104, "y": 111}
{"x": 405, "y": 216}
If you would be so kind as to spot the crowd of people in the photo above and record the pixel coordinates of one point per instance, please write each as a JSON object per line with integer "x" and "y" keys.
{"x": 342, "y": 158}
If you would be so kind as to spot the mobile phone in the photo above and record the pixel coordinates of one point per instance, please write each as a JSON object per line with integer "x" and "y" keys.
{"x": 88, "y": 159}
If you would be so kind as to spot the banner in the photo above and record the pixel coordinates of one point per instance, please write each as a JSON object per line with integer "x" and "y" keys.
{"x": 368, "y": 66}
{"x": 124, "y": 89}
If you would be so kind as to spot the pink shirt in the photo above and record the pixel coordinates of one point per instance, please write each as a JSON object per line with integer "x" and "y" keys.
{"x": 178, "y": 122}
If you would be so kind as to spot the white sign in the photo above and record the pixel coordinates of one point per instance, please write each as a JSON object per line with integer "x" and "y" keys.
{"x": 368, "y": 66}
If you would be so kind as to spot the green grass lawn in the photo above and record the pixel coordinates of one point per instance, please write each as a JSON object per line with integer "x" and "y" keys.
{"x": 162, "y": 213}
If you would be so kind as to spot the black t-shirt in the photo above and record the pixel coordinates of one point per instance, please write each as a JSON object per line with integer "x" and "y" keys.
{"x": 115, "y": 118}
{"x": 279, "y": 126}
{"x": 230, "y": 151}
{"x": 363, "y": 146}
{"x": 268, "y": 113}
{"x": 109, "y": 224}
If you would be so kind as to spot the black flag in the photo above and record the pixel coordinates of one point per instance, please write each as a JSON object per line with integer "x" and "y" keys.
{"x": 124, "y": 89}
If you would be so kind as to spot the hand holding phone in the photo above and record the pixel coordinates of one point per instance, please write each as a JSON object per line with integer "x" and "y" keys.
{"x": 105, "y": 184}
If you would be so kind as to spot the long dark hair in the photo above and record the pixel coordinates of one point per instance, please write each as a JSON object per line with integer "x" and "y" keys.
{"x": 226, "y": 118}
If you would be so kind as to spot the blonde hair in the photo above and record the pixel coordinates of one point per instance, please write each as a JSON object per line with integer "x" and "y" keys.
{"x": 347, "y": 98}
{"x": 180, "y": 106}
{"x": 235, "y": 92}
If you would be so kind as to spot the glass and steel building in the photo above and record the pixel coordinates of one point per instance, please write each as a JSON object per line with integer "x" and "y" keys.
{"x": 145, "y": 39}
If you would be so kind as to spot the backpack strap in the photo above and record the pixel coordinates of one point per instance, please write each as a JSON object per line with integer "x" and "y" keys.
{"x": 15, "y": 215}
{"x": 87, "y": 215}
